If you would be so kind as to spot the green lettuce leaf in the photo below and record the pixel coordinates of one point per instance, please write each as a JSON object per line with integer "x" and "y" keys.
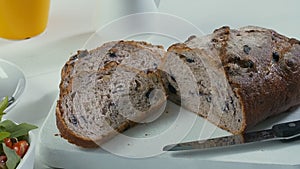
{"x": 3, "y": 104}
{"x": 7, "y": 125}
{"x": 12, "y": 158}
{"x": 21, "y": 129}
{"x": 4, "y": 135}
{"x": 16, "y": 130}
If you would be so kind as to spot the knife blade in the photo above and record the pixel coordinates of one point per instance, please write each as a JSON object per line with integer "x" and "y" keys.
{"x": 283, "y": 131}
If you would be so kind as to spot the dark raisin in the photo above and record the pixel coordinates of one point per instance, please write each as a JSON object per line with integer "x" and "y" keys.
{"x": 112, "y": 104}
{"x": 190, "y": 60}
{"x": 236, "y": 59}
{"x": 155, "y": 65}
{"x": 149, "y": 92}
{"x": 275, "y": 56}
{"x": 273, "y": 38}
{"x": 226, "y": 107}
{"x": 249, "y": 64}
{"x": 246, "y": 63}
{"x": 250, "y": 31}
{"x": 208, "y": 98}
{"x": 112, "y": 54}
{"x": 214, "y": 40}
{"x": 290, "y": 63}
{"x": 138, "y": 85}
{"x": 181, "y": 56}
{"x": 247, "y": 49}
{"x": 73, "y": 94}
{"x": 172, "y": 88}
{"x": 73, "y": 119}
{"x": 173, "y": 78}
{"x": 233, "y": 58}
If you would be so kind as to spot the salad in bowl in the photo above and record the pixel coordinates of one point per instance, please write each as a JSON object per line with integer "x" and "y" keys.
{"x": 15, "y": 140}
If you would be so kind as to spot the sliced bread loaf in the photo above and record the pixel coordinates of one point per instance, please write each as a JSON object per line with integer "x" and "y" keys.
{"x": 234, "y": 78}
{"x": 243, "y": 76}
{"x": 107, "y": 90}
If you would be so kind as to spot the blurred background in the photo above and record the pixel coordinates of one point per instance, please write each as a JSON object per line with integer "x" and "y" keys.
{"x": 208, "y": 15}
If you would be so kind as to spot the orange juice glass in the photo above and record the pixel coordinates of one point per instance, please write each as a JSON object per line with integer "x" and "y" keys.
{"x": 22, "y": 19}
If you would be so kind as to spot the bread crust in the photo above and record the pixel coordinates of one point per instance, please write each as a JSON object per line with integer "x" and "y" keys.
{"x": 69, "y": 135}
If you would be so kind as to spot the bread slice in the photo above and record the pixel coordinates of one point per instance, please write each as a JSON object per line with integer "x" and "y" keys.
{"x": 241, "y": 77}
{"x": 107, "y": 90}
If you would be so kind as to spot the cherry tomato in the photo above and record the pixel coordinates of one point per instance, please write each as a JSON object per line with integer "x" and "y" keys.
{"x": 21, "y": 147}
{"x": 8, "y": 142}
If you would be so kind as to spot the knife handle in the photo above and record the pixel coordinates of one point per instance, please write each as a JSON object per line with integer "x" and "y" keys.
{"x": 287, "y": 129}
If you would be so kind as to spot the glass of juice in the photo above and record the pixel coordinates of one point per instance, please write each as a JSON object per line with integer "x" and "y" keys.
{"x": 23, "y": 19}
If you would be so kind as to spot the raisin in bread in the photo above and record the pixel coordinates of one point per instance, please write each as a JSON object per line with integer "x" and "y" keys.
{"x": 107, "y": 90}
{"x": 242, "y": 76}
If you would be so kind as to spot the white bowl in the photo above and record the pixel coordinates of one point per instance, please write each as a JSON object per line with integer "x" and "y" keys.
{"x": 27, "y": 161}
{"x": 12, "y": 82}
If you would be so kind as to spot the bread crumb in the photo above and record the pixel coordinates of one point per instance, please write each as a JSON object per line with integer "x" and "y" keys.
{"x": 56, "y": 135}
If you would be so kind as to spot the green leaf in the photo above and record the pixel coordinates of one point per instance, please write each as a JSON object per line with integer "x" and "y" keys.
{"x": 21, "y": 129}
{"x": 1, "y": 115}
{"x": 4, "y": 135}
{"x": 7, "y": 125}
{"x": 12, "y": 158}
{"x": 16, "y": 130}
{"x": 3, "y": 104}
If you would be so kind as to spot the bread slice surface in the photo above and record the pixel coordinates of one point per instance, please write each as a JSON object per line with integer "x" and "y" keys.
{"x": 107, "y": 90}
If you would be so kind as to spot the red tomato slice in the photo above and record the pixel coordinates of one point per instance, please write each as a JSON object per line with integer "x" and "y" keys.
{"x": 21, "y": 147}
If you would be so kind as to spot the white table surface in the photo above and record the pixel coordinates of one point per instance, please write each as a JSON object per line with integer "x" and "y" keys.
{"x": 72, "y": 22}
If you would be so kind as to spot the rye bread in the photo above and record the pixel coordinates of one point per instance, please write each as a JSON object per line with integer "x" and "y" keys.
{"x": 234, "y": 78}
{"x": 107, "y": 90}
{"x": 242, "y": 76}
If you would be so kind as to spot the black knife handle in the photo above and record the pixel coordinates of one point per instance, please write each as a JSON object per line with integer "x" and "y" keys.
{"x": 287, "y": 129}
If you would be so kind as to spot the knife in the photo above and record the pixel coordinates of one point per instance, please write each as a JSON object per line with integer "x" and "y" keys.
{"x": 283, "y": 131}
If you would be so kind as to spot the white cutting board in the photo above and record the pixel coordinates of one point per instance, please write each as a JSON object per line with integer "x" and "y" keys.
{"x": 58, "y": 153}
